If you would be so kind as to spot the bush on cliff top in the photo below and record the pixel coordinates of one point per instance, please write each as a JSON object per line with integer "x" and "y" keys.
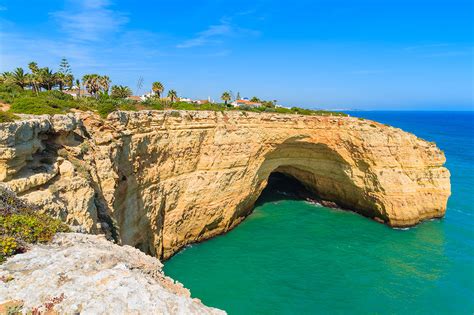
{"x": 52, "y": 102}
{"x": 21, "y": 224}
{"x": 7, "y": 117}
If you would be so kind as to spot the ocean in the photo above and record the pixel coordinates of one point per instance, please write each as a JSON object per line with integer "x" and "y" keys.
{"x": 294, "y": 257}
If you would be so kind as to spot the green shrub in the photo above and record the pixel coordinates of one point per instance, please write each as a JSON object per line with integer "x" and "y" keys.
{"x": 104, "y": 108}
{"x": 128, "y": 106}
{"x": 57, "y": 102}
{"x": 56, "y": 95}
{"x": 21, "y": 224}
{"x": 8, "y": 92}
{"x": 33, "y": 105}
{"x": 283, "y": 110}
{"x": 7, "y": 117}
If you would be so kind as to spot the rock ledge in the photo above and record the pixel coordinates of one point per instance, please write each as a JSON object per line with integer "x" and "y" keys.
{"x": 94, "y": 276}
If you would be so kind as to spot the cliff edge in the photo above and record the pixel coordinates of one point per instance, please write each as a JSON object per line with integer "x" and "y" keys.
{"x": 86, "y": 274}
{"x": 159, "y": 180}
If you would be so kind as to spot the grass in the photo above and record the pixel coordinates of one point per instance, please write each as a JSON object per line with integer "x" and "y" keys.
{"x": 57, "y": 102}
{"x": 21, "y": 224}
{"x": 7, "y": 117}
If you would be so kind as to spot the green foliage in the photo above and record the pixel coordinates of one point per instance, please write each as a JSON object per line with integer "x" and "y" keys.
{"x": 8, "y": 92}
{"x": 56, "y": 95}
{"x": 22, "y": 224}
{"x": 33, "y": 105}
{"x": 47, "y": 102}
{"x": 191, "y": 106}
{"x": 226, "y": 96}
{"x": 56, "y": 102}
{"x": 7, "y": 117}
{"x": 172, "y": 95}
{"x": 95, "y": 83}
{"x": 157, "y": 88}
{"x": 154, "y": 104}
{"x": 283, "y": 110}
{"x": 128, "y": 106}
{"x": 120, "y": 91}
{"x": 105, "y": 107}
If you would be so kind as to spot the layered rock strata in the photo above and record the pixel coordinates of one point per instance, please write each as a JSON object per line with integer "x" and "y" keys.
{"x": 159, "y": 180}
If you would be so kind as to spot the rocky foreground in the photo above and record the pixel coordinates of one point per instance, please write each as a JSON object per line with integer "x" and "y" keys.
{"x": 159, "y": 180}
{"x": 87, "y": 274}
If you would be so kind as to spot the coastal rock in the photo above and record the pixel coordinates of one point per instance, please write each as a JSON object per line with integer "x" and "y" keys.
{"x": 89, "y": 275}
{"x": 159, "y": 180}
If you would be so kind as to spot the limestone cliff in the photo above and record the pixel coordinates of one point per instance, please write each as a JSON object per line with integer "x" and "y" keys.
{"x": 160, "y": 180}
{"x": 86, "y": 274}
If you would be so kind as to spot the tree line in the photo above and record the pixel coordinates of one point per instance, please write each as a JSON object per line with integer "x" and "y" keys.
{"x": 45, "y": 79}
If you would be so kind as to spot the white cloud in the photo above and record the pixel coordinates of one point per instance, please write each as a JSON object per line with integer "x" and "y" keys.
{"x": 90, "y": 21}
{"x": 215, "y": 34}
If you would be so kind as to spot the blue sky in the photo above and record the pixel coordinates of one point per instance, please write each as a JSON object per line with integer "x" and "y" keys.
{"x": 364, "y": 54}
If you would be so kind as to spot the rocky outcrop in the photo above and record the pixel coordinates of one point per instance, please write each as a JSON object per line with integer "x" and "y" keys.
{"x": 159, "y": 180}
{"x": 86, "y": 274}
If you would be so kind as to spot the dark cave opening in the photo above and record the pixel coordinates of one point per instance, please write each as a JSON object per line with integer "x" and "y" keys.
{"x": 281, "y": 186}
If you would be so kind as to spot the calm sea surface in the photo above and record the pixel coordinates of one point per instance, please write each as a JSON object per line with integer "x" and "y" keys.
{"x": 294, "y": 257}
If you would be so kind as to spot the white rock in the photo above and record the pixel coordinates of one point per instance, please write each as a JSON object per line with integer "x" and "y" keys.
{"x": 96, "y": 277}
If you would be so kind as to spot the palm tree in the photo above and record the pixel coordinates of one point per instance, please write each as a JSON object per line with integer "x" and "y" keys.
{"x": 5, "y": 77}
{"x": 104, "y": 83}
{"x": 60, "y": 78}
{"x": 69, "y": 80}
{"x": 121, "y": 91}
{"x": 48, "y": 78}
{"x": 19, "y": 77}
{"x": 172, "y": 95}
{"x": 78, "y": 84}
{"x": 34, "y": 76}
{"x": 91, "y": 83}
{"x": 225, "y": 97}
{"x": 157, "y": 88}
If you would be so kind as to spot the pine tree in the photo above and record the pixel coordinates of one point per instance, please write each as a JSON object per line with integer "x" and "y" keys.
{"x": 65, "y": 77}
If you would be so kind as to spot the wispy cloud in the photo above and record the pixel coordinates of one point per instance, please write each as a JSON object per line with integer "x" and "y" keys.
{"x": 3, "y": 8}
{"x": 92, "y": 20}
{"x": 216, "y": 34}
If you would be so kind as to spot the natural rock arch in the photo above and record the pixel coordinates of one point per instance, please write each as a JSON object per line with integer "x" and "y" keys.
{"x": 160, "y": 180}
{"x": 325, "y": 173}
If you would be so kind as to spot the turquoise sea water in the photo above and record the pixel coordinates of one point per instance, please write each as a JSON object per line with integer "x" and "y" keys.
{"x": 294, "y": 257}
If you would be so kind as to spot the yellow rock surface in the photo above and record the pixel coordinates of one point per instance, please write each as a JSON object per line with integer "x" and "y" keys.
{"x": 161, "y": 180}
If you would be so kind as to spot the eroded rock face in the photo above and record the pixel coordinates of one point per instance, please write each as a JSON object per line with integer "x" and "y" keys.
{"x": 87, "y": 274}
{"x": 160, "y": 180}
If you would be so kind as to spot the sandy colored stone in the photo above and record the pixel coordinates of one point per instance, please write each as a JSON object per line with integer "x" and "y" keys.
{"x": 159, "y": 180}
